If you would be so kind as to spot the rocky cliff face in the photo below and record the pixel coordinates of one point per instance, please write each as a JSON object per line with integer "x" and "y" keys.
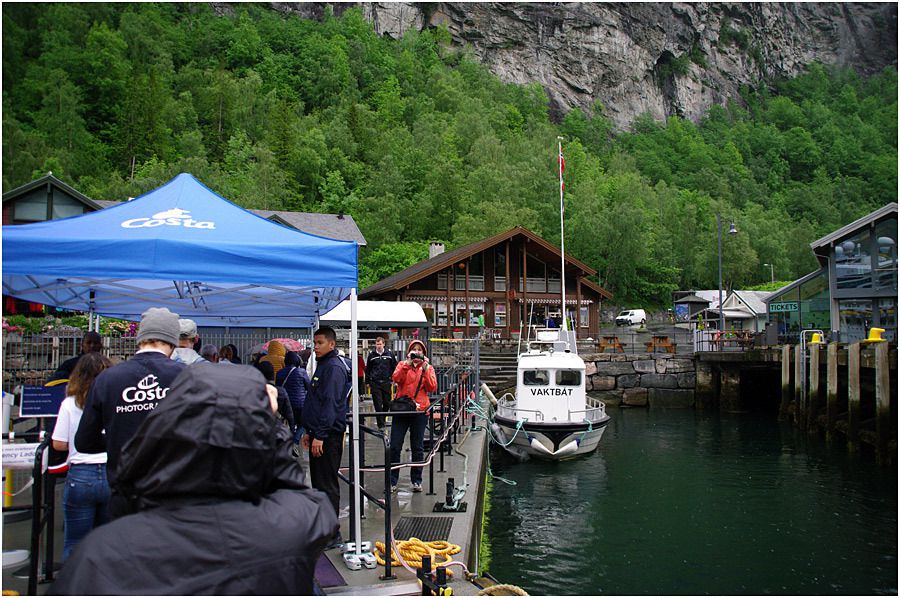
{"x": 659, "y": 58}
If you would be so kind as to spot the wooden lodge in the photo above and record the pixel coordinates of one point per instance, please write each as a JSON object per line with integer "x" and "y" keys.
{"x": 485, "y": 278}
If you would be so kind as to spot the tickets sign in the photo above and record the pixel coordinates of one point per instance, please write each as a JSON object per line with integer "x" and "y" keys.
{"x": 783, "y": 306}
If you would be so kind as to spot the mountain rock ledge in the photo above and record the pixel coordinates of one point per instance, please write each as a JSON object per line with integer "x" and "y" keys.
{"x": 660, "y": 58}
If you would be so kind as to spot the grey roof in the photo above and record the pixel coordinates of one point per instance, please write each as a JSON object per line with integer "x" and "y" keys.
{"x": 333, "y": 226}
{"x": 755, "y": 300}
{"x": 692, "y": 299}
{"x": 791, "y": 285}
{"x": 878, "y": 214}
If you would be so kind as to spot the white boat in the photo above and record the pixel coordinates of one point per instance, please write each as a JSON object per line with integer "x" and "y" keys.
{"x": 550, "y": 416}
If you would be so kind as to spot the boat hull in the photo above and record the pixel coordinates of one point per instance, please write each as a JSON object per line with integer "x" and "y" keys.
{"x": 550, "y": 441}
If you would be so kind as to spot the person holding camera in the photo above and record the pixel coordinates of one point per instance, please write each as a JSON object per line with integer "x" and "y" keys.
{"x": 415, "y": 378}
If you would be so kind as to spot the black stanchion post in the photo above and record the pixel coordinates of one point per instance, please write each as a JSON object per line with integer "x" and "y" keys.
{"x": 443, "y": 430}
{"x": 387, "y": 509}
{"x": 50, "y": 509}
{"x": 37, "y": 503}
{"x": 430, "y": 415}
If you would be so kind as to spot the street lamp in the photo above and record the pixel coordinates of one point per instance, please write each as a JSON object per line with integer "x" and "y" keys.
{"x": 772, "y": 268}
{"x": 732, "y": 230}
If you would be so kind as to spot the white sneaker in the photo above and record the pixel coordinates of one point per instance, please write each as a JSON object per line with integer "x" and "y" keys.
{"x": 417, "y": 487}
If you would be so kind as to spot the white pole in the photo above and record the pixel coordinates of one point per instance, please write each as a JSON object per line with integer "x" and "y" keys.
{"x": 354, "y": 431}
{"x": 562, "y": 235}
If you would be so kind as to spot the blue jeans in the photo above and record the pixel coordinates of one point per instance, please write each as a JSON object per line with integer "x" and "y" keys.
{"x": 416, "y": 425}
{"x": 85, "y": 502}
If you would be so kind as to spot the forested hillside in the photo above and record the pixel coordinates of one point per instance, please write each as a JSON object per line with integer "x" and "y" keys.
{"x": 418, "y": 142}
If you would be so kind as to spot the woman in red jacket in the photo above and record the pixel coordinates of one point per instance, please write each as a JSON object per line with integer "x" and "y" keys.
{"x": 415, "y": 379}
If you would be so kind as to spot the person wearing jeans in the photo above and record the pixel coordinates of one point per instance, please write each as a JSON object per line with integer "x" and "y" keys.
{"x": 85, "y": 502}
{"x": 415, "y": 378}
{"x": 87, "y": 492}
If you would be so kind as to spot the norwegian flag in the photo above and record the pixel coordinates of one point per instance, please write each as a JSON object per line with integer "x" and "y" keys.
{"x": 562, "y": 185}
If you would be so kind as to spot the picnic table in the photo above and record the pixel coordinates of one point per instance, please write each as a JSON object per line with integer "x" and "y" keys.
{"x": 660, "y": 342}
{"x": 611, "y": 341}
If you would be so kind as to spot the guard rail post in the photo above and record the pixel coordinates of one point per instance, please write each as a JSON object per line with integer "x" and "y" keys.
{"x": 37, "y": 519}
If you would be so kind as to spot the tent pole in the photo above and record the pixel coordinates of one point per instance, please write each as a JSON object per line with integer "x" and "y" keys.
{"x": 354, "y": 436}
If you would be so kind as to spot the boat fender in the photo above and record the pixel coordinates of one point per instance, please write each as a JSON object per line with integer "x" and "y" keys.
{"x": 498, "y": 433}
{"x": 539, "y": 446}
{"x": 489, "y": 394}
{"x": 568, "y": 449}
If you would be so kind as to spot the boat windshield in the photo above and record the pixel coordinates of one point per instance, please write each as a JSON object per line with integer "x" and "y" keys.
{"x": 568, "y": 378}
{"x": 536, "y": 377}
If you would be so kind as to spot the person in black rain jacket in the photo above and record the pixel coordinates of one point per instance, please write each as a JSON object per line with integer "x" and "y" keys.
{"x": 221, "y": 505}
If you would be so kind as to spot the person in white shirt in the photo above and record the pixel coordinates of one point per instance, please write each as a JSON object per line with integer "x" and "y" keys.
{"x": 86, "y": 495}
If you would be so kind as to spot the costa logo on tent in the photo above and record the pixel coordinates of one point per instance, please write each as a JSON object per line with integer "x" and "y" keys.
{"x": 173, "y": 217}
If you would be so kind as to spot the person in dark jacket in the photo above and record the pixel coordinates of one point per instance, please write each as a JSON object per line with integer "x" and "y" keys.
{"x": 380, "y": 366}
{"x": 325, "y": 417}
{"x": 221, "y": 507}
{"x": 295, "y": 381}
{"x": 91, "y": 343}
{"x": 125, "y": 394}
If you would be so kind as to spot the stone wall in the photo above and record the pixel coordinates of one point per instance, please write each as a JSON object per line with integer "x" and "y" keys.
{"x": 641, "y": 380}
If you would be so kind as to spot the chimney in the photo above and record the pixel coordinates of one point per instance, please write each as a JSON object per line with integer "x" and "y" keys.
{"x": 435, "y": 249}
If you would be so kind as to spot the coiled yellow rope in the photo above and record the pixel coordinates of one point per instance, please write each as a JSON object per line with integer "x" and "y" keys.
{"x": 414, "y": 549}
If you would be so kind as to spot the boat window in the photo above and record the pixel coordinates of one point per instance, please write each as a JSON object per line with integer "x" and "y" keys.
{"x": 535, "y": 378}
{"x": 568, "y": 377}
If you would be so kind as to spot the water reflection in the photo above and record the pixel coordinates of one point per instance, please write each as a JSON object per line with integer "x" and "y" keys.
{"x": 677, "y": 502}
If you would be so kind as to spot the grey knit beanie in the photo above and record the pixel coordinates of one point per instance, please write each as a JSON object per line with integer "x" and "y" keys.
{"x": 158, "y": 323}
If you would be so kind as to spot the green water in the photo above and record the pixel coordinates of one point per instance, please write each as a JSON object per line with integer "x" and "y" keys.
{"x": 678, "y": 502}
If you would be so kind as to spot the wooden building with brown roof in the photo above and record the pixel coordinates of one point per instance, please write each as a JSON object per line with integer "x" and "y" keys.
{"x": 486, "y": 278}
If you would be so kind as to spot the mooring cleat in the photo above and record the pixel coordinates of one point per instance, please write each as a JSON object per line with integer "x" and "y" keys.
{"x": 353, "y": 562}
{"x": 368, "y": 560}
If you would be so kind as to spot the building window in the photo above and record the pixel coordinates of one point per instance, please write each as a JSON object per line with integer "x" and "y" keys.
{"x": 815, "y": 300}
{"x": 585, "y": 316}
{"x": 499, "y": 269}
{"x": 553, "y": 282}
{"x": 886, "y": 266}
{"x": 442, "y": 313}
{"x": 64, "y": 206}
{"x": 500, "y": 314}
{"x": 428, "y": 308}
{"x": 31, "y": 208}
{"x": 853, "y": 262}
{"x": 856, "y": 319}
{"x": 887, "y": 317}
{"x": 442, "y": 281}
{"x": 537, "y": 276}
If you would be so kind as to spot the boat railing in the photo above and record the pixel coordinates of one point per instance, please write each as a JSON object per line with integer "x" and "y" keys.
{"x": 591, "y": 414}
{"x": 507, "y": 408}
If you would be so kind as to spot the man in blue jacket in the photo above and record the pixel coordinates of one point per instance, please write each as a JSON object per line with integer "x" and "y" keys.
{"x": 123, "y": 396}
{"x": 325, "y": 418}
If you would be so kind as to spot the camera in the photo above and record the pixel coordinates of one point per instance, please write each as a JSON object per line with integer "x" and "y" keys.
{"x": 416, "y": 355}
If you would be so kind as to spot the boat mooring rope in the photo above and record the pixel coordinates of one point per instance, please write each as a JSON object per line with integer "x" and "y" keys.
{"x": 502, "y": 587}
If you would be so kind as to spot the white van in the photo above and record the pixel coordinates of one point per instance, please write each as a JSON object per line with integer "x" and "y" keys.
{"x": 631, "y": 317}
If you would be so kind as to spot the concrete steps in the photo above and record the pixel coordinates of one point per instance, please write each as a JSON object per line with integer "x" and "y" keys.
{"x": 498, "y": 369}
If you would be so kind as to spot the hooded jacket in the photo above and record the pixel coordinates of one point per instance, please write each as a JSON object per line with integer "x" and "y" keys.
{"x": 275, "y": 355}
{"x": 222, "y": 507}
{"x": 407, "y": 378}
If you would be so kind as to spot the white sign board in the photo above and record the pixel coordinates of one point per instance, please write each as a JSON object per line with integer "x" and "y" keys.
{"x": 20, "y": 455}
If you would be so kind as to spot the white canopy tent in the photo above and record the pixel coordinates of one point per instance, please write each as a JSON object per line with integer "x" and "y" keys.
{"x": 378, "y": 314}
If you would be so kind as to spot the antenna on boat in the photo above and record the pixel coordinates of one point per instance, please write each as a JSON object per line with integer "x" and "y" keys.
{"x": 562, "y": 237}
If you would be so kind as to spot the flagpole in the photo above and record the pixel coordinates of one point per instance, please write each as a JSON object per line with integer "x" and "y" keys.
{"x": 562, "y": 235}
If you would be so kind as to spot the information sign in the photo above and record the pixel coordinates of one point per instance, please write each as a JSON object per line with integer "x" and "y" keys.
{"x": 42, "y": 401}
{"x": 783, "y": 306}
{"x": 20, "y": 455}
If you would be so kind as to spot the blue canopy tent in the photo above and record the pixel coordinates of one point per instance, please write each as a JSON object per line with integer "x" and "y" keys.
{"x": 184, "y": 247}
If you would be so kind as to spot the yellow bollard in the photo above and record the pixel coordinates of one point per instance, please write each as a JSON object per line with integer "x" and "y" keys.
{"x": 874, "y": 336}
{"x": 816, "y": 339}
